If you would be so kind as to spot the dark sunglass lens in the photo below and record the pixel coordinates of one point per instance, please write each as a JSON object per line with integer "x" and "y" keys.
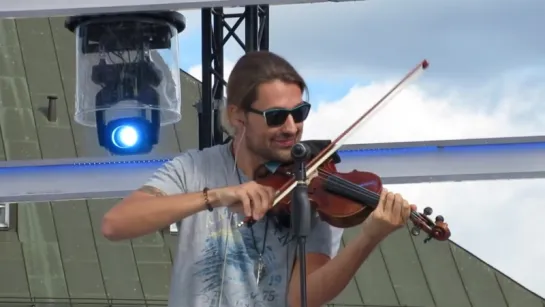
{"x": 301, "y": 113}
{"x": 276, "y": 117}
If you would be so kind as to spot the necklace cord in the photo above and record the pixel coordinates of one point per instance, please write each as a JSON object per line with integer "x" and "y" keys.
{"x": 262, "y": 252}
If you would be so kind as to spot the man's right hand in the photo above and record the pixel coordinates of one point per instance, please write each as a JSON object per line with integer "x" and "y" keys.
{"x": 251, "y": 198}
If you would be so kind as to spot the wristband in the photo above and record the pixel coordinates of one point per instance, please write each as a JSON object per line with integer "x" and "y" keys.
{"x": 206, "y": 201}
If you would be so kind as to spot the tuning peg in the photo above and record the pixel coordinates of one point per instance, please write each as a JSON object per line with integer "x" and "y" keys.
{"x": 415, "y": 231}
{"x": 428, "y": 211}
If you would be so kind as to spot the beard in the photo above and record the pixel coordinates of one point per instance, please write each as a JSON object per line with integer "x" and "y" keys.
{"x": 282, "y": 155}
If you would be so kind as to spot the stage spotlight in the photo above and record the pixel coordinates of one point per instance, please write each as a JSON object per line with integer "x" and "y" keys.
{"x": 128, "y": 83}
{"x": 130, "y": 135}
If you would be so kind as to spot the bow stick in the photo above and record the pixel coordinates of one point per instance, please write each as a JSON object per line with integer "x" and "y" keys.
{"x": 338, "y": 142}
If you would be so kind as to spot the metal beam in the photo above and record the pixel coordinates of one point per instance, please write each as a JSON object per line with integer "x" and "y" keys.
{"x": 449, "y": 161}
{"x": 396, "y": 163}
{"x": 41, "y": 8}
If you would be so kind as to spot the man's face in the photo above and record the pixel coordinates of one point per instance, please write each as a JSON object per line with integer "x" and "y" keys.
{"x": 273, "y": 140}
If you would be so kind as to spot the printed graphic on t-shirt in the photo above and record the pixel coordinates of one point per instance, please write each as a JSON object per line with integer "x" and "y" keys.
{"x": 226, "y": 266}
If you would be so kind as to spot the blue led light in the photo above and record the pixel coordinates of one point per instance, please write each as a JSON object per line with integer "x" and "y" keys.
{"x": 109, "y": 164}
{"x": 458, "y": 148}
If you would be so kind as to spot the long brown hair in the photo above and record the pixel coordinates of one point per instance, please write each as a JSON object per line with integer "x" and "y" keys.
{"x": 250, "y": 71}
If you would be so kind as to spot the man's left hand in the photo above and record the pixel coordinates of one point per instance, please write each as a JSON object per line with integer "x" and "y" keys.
{"x": 392, "y": 213}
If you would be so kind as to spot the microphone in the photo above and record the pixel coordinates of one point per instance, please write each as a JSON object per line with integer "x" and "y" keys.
{"x": 300, "y": 151}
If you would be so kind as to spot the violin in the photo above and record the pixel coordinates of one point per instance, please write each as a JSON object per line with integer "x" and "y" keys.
{"x": 345, "y": 200}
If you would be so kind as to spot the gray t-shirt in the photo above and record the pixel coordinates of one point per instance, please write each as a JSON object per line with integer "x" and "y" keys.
{"x": 216, "y": 260}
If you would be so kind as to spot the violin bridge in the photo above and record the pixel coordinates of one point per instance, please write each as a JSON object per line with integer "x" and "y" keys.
{"x": 311, "y": 176}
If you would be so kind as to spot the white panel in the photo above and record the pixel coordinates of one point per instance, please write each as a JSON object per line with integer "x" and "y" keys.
{"x": 4, "y": 216}
{"x": 50, "y": 8}
{"x": 415, "y": 162}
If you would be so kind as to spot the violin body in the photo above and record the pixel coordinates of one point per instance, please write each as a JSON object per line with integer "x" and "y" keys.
{"x": 344, "y": 200}
{"x": 335, "y": 204}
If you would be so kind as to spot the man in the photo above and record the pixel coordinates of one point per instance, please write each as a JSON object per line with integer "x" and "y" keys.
{"x": 210, "y": 192}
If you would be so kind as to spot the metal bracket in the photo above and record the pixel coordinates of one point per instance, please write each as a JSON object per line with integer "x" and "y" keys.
{"x": 4, "y": 216}
{"x": 216, "y": 104}
{"x": 174, "y": 229}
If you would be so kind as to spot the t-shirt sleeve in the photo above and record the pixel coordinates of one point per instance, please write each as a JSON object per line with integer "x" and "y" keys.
{"x": 170, "y": 177}
{"x": 324, "y": 239}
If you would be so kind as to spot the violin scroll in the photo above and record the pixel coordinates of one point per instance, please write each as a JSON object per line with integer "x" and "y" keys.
{"x": 437, "y": 230}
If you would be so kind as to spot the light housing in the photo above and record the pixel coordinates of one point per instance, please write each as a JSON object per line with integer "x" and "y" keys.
{"x": 127, "y": 68}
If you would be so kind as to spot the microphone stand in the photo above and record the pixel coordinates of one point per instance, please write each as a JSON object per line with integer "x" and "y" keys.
{"x": 301, "y": 212}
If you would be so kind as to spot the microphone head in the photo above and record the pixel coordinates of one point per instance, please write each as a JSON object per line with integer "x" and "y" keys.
{"x": 300, "y": 151}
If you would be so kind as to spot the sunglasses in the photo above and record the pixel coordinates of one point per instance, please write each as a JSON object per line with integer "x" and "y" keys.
{"x": 277, "y": 116}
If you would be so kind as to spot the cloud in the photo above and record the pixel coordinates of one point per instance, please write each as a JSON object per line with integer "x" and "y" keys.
{"x": 496, "y": 221}
{"x": 467, "y": 41}
{"x": 415, "y": 115}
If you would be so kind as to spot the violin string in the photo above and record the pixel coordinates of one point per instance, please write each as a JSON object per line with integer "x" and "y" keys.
{"x": 343, "y": 183}
{"x": 350, "y": 186}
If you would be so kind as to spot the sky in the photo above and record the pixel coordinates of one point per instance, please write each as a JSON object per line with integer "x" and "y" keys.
{"x": 486, "y": 75}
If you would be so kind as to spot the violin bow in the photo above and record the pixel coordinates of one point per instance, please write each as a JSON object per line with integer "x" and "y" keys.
{"x": 327, "y": 152}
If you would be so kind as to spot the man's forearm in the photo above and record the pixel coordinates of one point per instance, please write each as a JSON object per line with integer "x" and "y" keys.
{"x": 133, "y": 218}
{"x": 327, "y": 282}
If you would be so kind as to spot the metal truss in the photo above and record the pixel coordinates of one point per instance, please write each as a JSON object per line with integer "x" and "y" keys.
{"x": 214, "y": 22}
